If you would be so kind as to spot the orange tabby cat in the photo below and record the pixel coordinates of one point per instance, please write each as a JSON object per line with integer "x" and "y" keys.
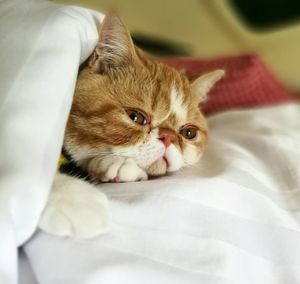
{"x": 131, "y": 117}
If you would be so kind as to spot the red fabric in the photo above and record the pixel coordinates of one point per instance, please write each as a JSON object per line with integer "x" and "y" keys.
{"x": 248, "y": 83}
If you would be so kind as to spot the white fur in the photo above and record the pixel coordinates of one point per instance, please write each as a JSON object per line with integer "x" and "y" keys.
{"x": 177, "y": 106}
{"x": 174, "y": 158}
{"x": 75, "y": 208}
{"x": 191, "y": 155}
{"x": 116, "y": 168}
{"x": 143, "y": 154}
{"x": 146, "y": 153}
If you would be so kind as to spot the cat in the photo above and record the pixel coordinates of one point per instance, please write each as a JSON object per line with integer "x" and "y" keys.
{"x": 132, "y": 117}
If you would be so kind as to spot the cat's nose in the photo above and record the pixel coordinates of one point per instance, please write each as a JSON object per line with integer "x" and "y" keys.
{"x": 167, "y": 136}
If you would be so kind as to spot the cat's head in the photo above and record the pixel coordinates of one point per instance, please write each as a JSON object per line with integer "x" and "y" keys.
{"x": 130, "y": 105}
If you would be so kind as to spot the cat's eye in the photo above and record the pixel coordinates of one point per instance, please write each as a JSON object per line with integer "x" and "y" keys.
{"x": 137, "y": 116}
{"x": 189, "y": 132}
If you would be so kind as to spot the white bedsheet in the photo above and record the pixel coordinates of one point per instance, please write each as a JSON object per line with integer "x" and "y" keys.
{"x": 234, "y": 218}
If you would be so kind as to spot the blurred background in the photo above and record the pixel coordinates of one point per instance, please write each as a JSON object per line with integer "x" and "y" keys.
{"x": 214, "y": 28}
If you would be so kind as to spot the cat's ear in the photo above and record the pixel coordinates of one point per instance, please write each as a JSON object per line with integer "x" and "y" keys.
{"x": 204, "y": 83}
{"x": 114, "y": 48}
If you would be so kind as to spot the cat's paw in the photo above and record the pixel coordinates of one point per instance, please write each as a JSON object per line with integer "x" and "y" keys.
{"x": 75, "y": 209}
{"x": 116, "y": 169}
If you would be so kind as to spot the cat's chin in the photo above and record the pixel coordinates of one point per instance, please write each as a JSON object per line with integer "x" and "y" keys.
{"x": 158, "y": 168}
{"x": 171, "y": 161}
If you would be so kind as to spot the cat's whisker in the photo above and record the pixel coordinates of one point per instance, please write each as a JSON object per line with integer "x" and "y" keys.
{"x": 107, "y": 153}
{"x": 123, "y": 154}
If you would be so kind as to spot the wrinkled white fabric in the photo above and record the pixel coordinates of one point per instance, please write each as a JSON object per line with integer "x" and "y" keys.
{"x": 41, "y": 47}
{"x": 234, "y": 218}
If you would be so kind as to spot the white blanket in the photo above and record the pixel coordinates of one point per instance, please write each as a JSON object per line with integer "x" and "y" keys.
{"x": 41, "y": 47}
{"x": 231, "y": 219}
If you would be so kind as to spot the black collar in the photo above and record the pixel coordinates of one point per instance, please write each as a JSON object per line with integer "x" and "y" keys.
{"x": 71, "y": 168}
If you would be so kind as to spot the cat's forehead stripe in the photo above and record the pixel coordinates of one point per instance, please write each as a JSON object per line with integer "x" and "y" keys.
{"x": 177, "y": 106}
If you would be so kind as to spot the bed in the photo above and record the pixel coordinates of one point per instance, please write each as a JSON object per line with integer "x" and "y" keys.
{"x": 233, "y": 218}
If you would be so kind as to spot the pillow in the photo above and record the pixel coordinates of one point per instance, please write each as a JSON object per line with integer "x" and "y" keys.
{"x": 247, "y": 83}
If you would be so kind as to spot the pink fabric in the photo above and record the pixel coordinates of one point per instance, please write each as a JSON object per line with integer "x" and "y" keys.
{"x": 247, "y": 83}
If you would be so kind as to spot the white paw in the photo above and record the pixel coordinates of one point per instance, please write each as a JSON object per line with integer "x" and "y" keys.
{"x": 117, "y": 169}
{"x": 75, "y": 208}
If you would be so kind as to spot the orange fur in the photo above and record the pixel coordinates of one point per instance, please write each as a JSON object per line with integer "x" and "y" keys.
{"x": 118, "y": 76}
